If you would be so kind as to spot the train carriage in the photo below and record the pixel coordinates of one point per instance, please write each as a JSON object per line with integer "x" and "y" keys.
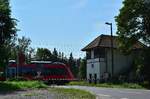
{"x": 52, "y": 72}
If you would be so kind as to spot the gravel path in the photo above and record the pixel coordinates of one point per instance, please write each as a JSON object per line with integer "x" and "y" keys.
{"x": 29, "y": 94}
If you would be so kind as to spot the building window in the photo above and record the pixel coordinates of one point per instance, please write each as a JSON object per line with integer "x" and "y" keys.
{"x": 99, "y": 53}
{"x": 88, "y": 54}
{"x": 92, "y": 65}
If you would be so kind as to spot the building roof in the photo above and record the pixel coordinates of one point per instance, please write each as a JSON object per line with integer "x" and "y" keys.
{"x": 105, "y": 42}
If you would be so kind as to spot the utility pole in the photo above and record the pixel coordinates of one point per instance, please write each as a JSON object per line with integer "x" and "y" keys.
{"x": 112, "y": 53}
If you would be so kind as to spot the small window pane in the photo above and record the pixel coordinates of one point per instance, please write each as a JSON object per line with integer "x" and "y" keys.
{"x": 99, "y": 53}
{"x": 92, "y": 65}
{"x": 88, "y": 54}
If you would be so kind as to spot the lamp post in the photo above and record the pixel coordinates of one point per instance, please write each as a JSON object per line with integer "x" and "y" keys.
{"x": 112, "y": 53}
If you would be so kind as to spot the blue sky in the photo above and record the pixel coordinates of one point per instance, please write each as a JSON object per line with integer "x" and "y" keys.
{"x": 67, "y": 25}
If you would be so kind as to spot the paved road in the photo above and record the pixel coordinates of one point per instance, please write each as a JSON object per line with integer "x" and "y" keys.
{"x": 114, "y": 93}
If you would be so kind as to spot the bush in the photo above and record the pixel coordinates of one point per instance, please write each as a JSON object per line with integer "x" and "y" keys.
{"x": 109, "y": 85}
{"x": 71, "y": 93}
{"x": 17, "y": 85}
{"x": 17, "y": 79}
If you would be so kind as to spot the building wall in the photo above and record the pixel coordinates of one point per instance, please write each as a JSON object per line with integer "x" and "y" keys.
{"x": 93, "y": 67}
{"x": 98, "y": 65}
{"x": 121, "y": 62}
{"x": 102, "y": 67}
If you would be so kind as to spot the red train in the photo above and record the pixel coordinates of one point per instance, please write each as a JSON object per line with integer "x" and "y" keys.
{"x": 52, "y": 72}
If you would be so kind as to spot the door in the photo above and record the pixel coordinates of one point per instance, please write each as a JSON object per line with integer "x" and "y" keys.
{"x": 90, "y": 78}
{"x": 95, "y": 78}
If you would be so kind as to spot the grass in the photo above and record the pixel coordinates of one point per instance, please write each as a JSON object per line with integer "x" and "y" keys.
{"x": 108, "y": 85}
{"x": 60, "y": 93}
{"x": 17, "y": 85}
{"x": 70, "y": 93}
{"x": 31, "y": 94}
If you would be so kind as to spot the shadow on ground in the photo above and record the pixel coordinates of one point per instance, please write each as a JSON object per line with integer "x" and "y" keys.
{"x": 6, "y": 88}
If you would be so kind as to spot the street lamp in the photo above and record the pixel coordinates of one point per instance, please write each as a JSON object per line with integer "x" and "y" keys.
{"x": 112, "y": 53}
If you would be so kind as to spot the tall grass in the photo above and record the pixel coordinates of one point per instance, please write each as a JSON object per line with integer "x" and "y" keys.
{"x": 70, "y": 93}
{"x": 108, "y": 85}
{"x": 17, "y": 85}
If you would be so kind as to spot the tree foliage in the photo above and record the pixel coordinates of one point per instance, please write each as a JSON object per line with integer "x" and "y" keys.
{"x": 43, "y": 54}
{"x": 133, "y": 23}
{"x": 73, "y": 66}
{"x": 82, "y": 69}
{"x": 21, "y": 47}
{"x": 7, "y": 31}
{"x": 24, "y": 45}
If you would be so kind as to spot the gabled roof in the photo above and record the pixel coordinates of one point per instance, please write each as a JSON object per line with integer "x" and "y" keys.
{"x": 105, "y": 42}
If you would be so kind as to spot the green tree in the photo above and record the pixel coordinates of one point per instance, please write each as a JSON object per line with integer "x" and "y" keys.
{"x": 24, "y": 45}
{"x": 43, "y": 54}
{"x": 13, "y": 52}
{"x": 30, "y": 54}
{"x": 62, "y": 55}
{"x": 82, "y": 69}
{"x": 59, "y": 55}
{"x": 55, "y": 55}
{"x": 72, "y": 64}
{"x": 7, "y": 31}
{"x": 133, "y": 23}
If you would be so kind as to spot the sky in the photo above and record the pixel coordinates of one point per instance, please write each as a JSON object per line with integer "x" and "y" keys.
{"x": 67, "y": 25}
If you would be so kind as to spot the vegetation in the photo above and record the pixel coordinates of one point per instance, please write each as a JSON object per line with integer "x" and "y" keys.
{"x": 43, "y": 54}
{"x": 72, "y": 93}
{"x": 109, "y": 85}
{"x": 12, "y": 47}
{"x": 7, "y": 31}
{"x": 82, "y": 69}
{"x": 75, "y": 65}
{"x": 133, "y": 24}
{"x": 22, "y": 50}
{"x": 9, "y": 86}
{"x": 17, "y": 85}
